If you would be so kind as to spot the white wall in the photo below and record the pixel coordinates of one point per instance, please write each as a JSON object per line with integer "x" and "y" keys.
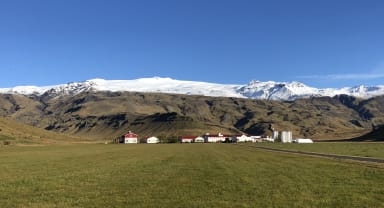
{"x": 130, "y": 140}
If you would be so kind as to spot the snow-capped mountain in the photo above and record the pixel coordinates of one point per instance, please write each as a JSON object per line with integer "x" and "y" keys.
{"x": 255, "y": 89}
{"x": 277, "y": 91}
{"x": 64, "y": 89}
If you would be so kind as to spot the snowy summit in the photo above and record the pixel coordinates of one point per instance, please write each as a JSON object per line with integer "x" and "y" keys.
{"x": 255, "y": 89}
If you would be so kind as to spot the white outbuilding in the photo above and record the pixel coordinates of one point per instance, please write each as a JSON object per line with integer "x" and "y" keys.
{"x": 199, "y": 139}
{"x": 243, "y": 138}
{"x": 303, "y": 141}
{"x": 153, "y": 140}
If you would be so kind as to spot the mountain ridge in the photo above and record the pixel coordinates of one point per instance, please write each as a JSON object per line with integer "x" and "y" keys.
{"x": 270, "y": 90}
{"x": 101, "y": 115}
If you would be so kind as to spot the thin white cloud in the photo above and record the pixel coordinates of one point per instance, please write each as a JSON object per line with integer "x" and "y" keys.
{"x": 365, "y": 76}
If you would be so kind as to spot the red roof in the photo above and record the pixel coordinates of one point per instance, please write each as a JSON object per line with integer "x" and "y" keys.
{"x": 130, "y": 135}
{"x": 188, "y": 137}
{"x": 215, "y": 135}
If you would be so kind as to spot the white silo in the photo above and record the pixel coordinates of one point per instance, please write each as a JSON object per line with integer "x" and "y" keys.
{"x": 275, "y": 135}
{"x": 286, "y": 137}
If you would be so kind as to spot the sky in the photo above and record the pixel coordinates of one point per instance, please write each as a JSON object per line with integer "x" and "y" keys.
{"x": 322, "y": 43}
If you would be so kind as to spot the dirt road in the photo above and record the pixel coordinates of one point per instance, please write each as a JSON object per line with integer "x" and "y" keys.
{"x": 332, "y": 156}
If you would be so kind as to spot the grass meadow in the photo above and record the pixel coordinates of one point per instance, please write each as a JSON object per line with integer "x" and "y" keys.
{"x": 361, "y": 149}
{"x": 180, "y": 175}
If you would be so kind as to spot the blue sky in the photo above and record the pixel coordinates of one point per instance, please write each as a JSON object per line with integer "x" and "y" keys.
{"x": 323, "y": 43}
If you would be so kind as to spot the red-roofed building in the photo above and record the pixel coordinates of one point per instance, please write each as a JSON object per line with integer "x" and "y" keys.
{"x": 187, "y": 139}
{"x": 191, "y": 139}
{"x": 130, "y": 138}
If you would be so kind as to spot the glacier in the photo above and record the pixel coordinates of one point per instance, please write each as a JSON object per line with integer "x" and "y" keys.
{"x": 270, "y": 90}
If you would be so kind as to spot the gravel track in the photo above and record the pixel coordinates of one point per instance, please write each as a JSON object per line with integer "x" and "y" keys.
{"x": 332, "y": 156}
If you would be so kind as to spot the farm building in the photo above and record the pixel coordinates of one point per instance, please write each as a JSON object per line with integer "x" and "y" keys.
{"x": 268, "y": 139}
{"x": 213, "y": 138}
{"x": 199, "y": 139}
{"x": 256, "y": 138}
{"x": 153, "y": 140}
{"x": 245, "y": 138}
{"x": 191, "y": 139}
{"x": 242, "y": 138}
{"x": 187, "y": 139}
{"x": 130, "y": 138}
{"x": 303, "y": 141}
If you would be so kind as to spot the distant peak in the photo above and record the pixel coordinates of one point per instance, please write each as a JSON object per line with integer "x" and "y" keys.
{"x": 297, "y": 84}
{"x": 254, "y": 82}
{"x": 258, "y": 82}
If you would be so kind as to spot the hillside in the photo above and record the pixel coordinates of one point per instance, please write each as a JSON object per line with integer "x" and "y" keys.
{"x": 104, "y": 115}
{"x": 13, "y": 132}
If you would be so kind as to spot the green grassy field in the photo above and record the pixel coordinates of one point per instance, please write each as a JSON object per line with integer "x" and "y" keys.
{"x": 180, "y": 175}
{"x": 362, "y": 149}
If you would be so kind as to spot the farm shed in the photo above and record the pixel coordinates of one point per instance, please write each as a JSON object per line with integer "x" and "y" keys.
{"x": 303, "y": 141}
{"x": 199, "y": 140}
{"x": 130, "y": 138}
{"x": 187, "y": 139}
{"x": 153, "y": 140}
{"x": 243, "y": 138}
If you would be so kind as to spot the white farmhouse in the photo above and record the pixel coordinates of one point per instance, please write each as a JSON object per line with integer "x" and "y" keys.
{"x": 212, "y": 138}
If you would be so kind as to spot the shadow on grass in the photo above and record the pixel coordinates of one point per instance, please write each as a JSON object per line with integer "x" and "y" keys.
{"x": 376, "y": 135}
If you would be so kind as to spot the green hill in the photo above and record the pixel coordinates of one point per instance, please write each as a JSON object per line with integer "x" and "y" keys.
{"x": 13, "y": 132}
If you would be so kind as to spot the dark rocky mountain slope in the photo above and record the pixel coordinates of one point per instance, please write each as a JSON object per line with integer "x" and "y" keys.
{"x": 101, "y": 115}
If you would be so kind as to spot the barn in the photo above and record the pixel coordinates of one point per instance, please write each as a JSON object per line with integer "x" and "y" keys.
{"x": 130, "y": 138}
